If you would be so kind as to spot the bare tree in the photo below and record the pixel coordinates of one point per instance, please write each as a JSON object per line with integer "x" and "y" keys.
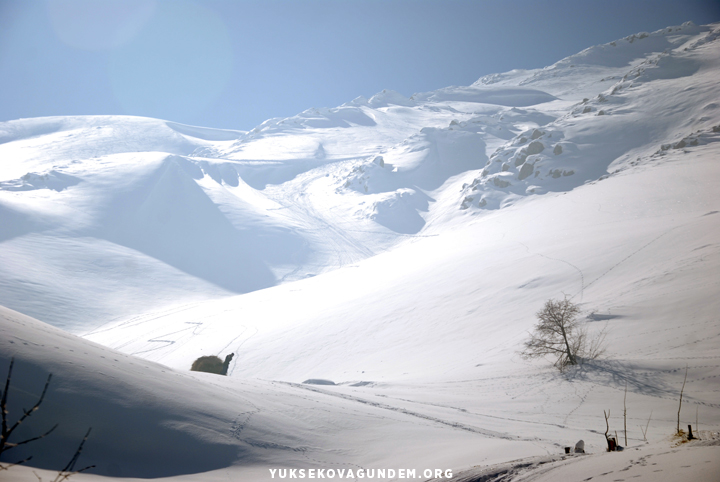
{"x": 560, "y": 335}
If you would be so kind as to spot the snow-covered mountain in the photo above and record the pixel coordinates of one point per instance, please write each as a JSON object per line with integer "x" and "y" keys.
{"x": 396, "y": 246}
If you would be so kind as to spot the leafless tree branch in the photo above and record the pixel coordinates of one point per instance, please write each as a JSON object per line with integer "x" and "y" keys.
{"x": 5, "y": 432}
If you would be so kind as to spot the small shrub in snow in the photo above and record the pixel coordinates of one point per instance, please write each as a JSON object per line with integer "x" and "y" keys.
{"x": 212, "y": 364}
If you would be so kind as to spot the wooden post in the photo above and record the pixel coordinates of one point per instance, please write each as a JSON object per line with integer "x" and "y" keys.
{"x": 625, "y": 413}
{"x": 690, "y": 435}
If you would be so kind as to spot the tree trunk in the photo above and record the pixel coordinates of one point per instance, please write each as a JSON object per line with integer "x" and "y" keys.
{"x": 571, "y": 356}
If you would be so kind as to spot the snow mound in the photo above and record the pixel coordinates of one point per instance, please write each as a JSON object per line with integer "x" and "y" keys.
{"x": 168, "y": 205}
{"x": 396, "y": 184}
{"x": 324, "y": 118}
{"x": 399, "y": 210}
{"x": 68, "y": 140}
{"x": 55, "y": 180}
{"x": 506, "y": 96}
{"x": 389, "y": 97}
{"x": 204, "y": 132}
{"x": 425, "y": 160}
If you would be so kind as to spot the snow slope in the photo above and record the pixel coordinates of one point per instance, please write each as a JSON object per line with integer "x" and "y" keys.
{"x": 162, "y": 213}
{"x": 149, "y": 420}
{"x": 397, "y": 247}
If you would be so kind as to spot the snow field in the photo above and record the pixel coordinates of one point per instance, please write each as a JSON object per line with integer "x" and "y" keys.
{"x": 398, "y": 247}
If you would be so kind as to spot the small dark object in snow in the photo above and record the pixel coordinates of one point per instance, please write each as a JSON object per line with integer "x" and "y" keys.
{"x": 612, "y": 444}
{"x": 567, "y": 450}
{"x": 580, "y": 447}
{"x": 212, "y": 364}
{"x": 318, "y": 381}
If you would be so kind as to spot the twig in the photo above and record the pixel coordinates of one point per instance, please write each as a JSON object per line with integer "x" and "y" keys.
{"x": 61, "y": 477}
{"x": 681, "y": 395}
{"x": 71, "y": 464}
{"x": 607, "y": 429}
{"x": 607, "y": 425}
{"x": 646, "y": 427}
{"x": 6, "y": 467}
{"x": 5, "y": 432}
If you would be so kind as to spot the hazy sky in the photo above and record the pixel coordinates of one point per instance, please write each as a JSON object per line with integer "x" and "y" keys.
{"x": 234, "y": 63}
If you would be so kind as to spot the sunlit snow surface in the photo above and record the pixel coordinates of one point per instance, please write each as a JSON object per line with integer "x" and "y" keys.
{"x": 398, "y": 247}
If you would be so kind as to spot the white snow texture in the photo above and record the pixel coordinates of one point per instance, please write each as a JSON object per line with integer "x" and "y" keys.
{"x": 392, "y": 253}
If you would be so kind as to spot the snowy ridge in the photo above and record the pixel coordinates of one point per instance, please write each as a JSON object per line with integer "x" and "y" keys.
{"x": 397, "y": 247}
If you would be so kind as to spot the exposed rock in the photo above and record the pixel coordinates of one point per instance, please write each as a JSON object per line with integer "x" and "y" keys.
{"x": 318, "y": 381}
{"x": 520, "y": 159}
{"x": 535, "y": 147}
{"x": 525, "y": 171}
{"x": 500, "y": 183}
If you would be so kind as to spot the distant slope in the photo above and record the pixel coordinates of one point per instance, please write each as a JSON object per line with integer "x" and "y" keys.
{"x": 161, "y": 213}
{"x": 638, "y": 247}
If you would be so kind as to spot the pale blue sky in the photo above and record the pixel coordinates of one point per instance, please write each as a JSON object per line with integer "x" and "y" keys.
{"x": 234, "y": 63}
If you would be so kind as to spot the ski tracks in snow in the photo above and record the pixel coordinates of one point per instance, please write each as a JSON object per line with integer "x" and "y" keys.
{"x": 419, "y": 415}
{"x": 582, "y": 277}
{"x": 583, "y": 285}
{"x": 630, "y": 256}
